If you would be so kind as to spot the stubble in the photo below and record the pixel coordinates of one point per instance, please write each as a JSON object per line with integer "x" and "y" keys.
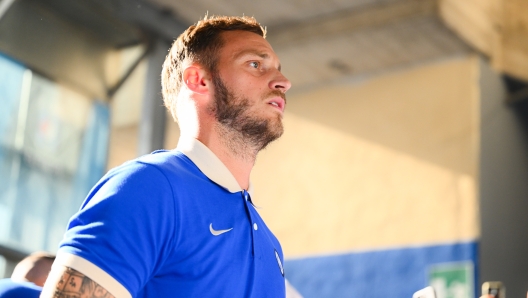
{"x": 243, "y": 132}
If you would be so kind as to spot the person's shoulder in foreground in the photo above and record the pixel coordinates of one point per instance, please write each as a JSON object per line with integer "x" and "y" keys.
{"x": 181, "y": 223}
{"x": 18, "y": 289}
{"x": 28, "y": 276}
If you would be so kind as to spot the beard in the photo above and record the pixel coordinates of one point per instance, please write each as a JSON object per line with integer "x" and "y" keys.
{"x": 243, "y": 129}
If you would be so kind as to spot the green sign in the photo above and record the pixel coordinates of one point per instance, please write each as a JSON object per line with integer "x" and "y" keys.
{"x": 452, "y": 280}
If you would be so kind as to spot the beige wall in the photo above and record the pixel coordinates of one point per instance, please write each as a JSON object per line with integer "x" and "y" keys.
{"x": 388, "y": 161}
{"x": 126, "y": 109}
{"x": 124, "y": 142}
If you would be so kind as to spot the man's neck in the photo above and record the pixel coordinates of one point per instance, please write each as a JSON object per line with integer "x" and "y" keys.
{"x": 234, "y": 153}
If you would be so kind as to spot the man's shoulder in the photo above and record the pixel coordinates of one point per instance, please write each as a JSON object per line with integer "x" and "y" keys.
{"x": 162, "y": 160}
{"x": 173, "y": 165}
{"x": 10, "y": 288}
{"x": 158, "y": 175}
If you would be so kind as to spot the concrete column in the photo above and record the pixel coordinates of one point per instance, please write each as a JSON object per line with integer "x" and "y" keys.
{"x": 153, "y": 115}
{"x": 503, "y": 186}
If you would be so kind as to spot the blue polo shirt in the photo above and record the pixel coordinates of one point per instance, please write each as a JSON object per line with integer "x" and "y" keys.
{"x": 174, "y": 224}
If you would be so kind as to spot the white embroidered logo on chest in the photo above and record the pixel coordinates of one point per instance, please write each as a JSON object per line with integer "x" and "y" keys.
{"x": 217, "y": 232}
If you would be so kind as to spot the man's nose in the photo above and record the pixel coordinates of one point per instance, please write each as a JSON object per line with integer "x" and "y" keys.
{"x": 280, "y": 82}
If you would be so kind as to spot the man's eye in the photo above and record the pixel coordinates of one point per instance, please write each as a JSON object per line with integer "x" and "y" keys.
{"x": 254, "y": 64}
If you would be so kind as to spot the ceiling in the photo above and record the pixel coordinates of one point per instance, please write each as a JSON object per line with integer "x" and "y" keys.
{"x": 271, "y": 13}
{"x": 322, "y": 41}
{"x": 318, "y": 41}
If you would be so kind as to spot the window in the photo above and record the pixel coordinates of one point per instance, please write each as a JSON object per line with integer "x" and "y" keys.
{"x": 53, "y": 149}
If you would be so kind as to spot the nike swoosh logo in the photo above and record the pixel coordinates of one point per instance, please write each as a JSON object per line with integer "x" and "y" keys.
{"x": 217, "y": 232}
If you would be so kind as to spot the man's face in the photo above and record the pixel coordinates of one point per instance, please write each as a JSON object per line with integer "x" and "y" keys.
{"x": 249, "y": 88}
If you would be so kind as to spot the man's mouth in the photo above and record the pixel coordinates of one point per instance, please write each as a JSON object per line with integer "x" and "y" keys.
{"x": 278, "y": 103}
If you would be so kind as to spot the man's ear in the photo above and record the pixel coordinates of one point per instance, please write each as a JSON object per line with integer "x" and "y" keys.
{"x": 196, "y": 79}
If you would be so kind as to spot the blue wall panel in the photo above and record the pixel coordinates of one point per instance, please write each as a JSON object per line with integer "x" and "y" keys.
{"x": 381, "y": 273}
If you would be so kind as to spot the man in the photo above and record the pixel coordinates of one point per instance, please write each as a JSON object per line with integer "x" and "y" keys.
{"x": 181, "y": 223}
{"x": 28, "y": 277}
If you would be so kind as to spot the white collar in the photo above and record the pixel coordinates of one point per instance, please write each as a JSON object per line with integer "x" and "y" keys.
{"x": 209, "y": 164}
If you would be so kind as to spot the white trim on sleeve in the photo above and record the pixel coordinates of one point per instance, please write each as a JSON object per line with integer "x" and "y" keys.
{"x": 93, "y": 272}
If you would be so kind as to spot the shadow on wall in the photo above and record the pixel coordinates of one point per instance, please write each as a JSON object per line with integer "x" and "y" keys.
{"x": 519, "y": 110}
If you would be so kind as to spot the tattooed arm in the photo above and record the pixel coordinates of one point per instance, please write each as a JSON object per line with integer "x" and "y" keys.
{"x": 65, "y": 282}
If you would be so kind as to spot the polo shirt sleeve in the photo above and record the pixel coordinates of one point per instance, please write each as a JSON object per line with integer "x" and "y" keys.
{"x": 126, "y": 225}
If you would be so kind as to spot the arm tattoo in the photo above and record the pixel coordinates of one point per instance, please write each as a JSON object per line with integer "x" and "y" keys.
{"x": 74, "y": 284}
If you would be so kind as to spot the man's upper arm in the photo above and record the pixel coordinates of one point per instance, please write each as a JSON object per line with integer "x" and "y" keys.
{"x": 122, "y": 231}
{"x": 67, "y": 282}
{"x": 72, "y": 276}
